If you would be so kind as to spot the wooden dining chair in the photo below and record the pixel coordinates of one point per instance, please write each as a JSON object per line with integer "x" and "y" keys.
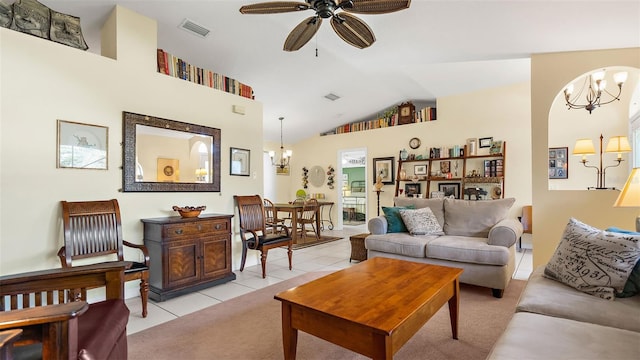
{"x": 93, "y": 229}
{"x": 287, "y": 220}
{"x": 271, "y": 216}
{"x": 308, "y": 218}
{"x": 253, "y": 231}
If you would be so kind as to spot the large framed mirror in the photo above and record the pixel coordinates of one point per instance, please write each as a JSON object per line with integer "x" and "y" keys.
{"x": 171, "y": 156}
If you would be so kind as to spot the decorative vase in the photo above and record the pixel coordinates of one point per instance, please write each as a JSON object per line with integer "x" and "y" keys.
{"x": 404, "y": 154}
{"x": 378, "y": 184}
{"x": 403, "y": 174}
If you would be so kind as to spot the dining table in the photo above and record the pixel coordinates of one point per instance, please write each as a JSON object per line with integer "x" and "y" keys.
{"x": 295, "y": 211}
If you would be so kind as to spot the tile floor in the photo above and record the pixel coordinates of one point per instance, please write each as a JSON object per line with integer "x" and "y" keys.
{"x": 325, "y": 257}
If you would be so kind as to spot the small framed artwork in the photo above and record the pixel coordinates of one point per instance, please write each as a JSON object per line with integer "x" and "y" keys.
{"x": 420, "y": 169}
{"x": 496, "y": 147}
{"x": 412, "y": 189}
{"x": 168, "y": 170}
{"x": 239, "y": 162}
{"x": 558, "y": 165}
{"x": 445, "y": 167}
{"x": 485, "y": 142}
{"x": 282, "y": 170}
{"x": 450, "y": 189}
{"x": 82, "y": 146}
{"x": 383, "y": 167}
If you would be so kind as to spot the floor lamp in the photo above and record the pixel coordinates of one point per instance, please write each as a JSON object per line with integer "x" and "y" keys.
{"x": 616, "y": 144}
{"x": 630, "y": 194}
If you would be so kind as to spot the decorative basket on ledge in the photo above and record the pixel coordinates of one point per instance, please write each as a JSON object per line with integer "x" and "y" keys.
{"x": 189, "y": 211}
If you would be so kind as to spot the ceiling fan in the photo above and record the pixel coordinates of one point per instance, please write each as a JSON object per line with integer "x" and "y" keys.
{"x": 350, "y": 28}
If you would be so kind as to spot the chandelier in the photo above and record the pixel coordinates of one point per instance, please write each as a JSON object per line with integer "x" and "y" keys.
{"x": 597, "y": 87}
{"x": 285, "y": 155}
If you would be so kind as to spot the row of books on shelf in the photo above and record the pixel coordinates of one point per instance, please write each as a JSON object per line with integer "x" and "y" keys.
{"x": 423, "y": 115}
{"x": 494, "y": 168}
{"x": 171, "y": 65}
{"x": 446, "y": 152}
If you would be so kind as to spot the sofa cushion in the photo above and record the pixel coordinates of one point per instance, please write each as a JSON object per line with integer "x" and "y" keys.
{"x": 548, "y": 297}
{"x": 399, "y": 243}
{"x": 436, "y": 205}
{"x": 532, "y": 336}
{"x": 421, "y": 221}
{"x": 467, "y": 249}
{"x": 394, "y": 220}
{"x": 594, "y": 261}
{"x": 632, "y": 286}
{"x": 474, "y": 218}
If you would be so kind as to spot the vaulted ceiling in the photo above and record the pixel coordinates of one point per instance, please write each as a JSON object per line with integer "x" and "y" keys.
{"x": 433, "y": 49}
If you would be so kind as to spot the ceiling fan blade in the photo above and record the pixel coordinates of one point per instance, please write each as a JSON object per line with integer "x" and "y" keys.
{"x": 302, "y": 33}
{"x": 374, "y": 6}
{"x": 353, "y": 30}
{"x": 274, "y": 7}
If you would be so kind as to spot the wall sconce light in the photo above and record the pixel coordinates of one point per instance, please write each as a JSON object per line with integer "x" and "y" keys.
{"x": 616, "y": 144}
{"x": 630, "y": 194}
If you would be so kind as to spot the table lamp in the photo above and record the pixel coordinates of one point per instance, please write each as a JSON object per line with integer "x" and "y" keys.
{"x": 630, "y": 194}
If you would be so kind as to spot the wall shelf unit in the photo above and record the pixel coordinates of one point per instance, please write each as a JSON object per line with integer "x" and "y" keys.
{"x": 477, "y": 172}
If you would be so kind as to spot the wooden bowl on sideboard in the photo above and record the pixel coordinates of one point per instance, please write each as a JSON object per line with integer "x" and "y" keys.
{"x": 189, "y": 211}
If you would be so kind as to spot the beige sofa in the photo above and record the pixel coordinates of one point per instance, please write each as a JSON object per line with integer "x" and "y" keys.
{"x": 555, "y": 321}
{"x": 476, "y": 236}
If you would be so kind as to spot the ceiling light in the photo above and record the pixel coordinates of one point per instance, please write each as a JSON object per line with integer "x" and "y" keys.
{"x": 285, "y": 155}
{"x": 596, "y": 87}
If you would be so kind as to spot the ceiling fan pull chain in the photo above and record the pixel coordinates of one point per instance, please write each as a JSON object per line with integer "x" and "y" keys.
{"x": 316, "y": 44}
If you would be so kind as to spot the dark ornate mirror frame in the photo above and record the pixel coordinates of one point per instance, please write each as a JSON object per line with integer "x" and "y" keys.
{"x": 130, "y": 120}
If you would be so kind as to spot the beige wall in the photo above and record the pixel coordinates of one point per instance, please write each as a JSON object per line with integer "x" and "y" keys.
{"x": 503, "y": 113}
{"x": 43, "y": 81}
{"x": 552, "y": 209}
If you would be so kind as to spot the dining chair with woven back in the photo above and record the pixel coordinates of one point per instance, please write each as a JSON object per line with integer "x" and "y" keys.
{"x": 253, "y": 231}
{"x": 93, "y": 229}
{"x": 308, "y": 218}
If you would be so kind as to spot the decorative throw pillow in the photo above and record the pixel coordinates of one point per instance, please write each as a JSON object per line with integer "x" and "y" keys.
{"x": 594, "y": 261}
{"x": 632, "y": 286}
{"x": 421, "y": 222}
{"x": 394, "y": 221}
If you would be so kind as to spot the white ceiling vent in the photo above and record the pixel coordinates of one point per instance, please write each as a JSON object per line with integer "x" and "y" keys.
{"x": 332, "y": 97}
{"x": 192, "y": 27}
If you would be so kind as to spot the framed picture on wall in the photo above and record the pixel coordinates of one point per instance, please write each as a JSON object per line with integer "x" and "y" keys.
{"x": 239, "y": 161}
{"x": 82, "y": 146}
{"x": 558, "y": 164}
{"x": 383, "y": 167}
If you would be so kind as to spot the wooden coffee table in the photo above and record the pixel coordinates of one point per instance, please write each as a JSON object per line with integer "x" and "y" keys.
{"x": 372, "y": 308}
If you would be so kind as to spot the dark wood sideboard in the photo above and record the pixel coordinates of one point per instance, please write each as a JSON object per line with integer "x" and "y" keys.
{"x": 187, "y": 254}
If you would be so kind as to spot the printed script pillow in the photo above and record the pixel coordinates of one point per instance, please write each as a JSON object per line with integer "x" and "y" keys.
{"x": 594, "y": 261}
{"x": 421, "y": 221}
{"x": 632, "y": 286}
{"x": 394, "y": 221}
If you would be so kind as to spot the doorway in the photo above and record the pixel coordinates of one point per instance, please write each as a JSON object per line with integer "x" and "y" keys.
{"x": 353, "y": 187}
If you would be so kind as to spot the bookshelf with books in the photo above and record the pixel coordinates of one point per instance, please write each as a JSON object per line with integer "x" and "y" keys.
{"x": 387, "y": 119}
{"x": 171, "y": 65}
{"x": 481, "y": 175}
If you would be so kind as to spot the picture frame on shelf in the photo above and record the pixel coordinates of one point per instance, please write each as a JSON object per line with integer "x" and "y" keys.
{"x": 445, "y": 166}
{"x": 485, "y": 142}
{"x": 412, "y": 189}
{"x": 450, "y": 189}
{"x": 420, "y": 169}
{"x": 558, "y": 163}
{"x": 82, "y": 146}
{"x": 385, "y": 167}
{"x": 496, "y": 147}
{"x": 239, "y": 162}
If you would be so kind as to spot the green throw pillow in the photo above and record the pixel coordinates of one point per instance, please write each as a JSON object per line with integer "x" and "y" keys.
{"x": 632, "y": 286}
{"x": 394, "y": 220}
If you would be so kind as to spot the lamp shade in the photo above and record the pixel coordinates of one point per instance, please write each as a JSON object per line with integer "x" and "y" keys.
{"x": 630, "y": 194}
{"x": 618, "y": 144}
{"x": 584, "y": 147}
